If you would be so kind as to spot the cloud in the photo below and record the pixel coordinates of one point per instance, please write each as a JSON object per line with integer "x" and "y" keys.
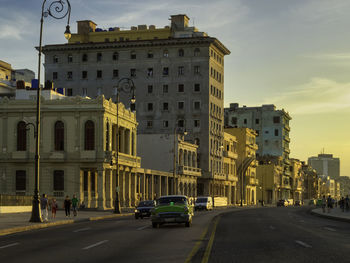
{"x": 319, "y": 95}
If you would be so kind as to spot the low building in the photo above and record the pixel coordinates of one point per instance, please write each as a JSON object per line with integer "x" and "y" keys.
{"x": 312, "y": 183}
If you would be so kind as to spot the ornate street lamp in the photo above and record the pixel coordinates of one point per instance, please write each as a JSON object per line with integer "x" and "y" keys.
{"x": 57, "y": 9}
{"x": 125, "y": 85}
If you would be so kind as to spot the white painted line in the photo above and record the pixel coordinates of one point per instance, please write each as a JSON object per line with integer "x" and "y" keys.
{"x": 95, "y": 245}
{"x": 272, "y": 227}
{"x": 143, "y": 227}
{"x": 82, "y": 229}
{"x": 330, "y": 229}
{"x": 302, "y": 244}
{"x": 10, "y": 245}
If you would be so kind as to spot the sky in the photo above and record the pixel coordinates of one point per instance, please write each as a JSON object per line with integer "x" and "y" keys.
{"x": 294, "y": 54}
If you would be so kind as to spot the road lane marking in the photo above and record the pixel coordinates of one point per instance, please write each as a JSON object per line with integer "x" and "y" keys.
{"x": 10, "y": 245}
{"x": 272, "y": 227}
{"x": 82, "y": 229}
{"x": 330, "y": 229}
{"x": 210, "y": 243}
{"x": 302, "y": 244}
{"x": 197, "y": 245}
{"x": 95, "y": 245}
{"x": 143, "y": 227}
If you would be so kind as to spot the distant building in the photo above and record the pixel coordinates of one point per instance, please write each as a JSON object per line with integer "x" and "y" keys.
{"x": 326, "y": 164}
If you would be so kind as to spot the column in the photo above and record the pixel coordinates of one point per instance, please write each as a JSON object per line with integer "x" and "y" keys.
{"x": 95, "y": 189}
{"x": 121, "y": 188}
{"x": 159, "y": 186}
{"x": 122, "y": 140}
{"x": 143, "y": 186}
{"x": 133, "y": 189}
{"x": 89, "y": 197}
{"x": 109, "y": 188}
{"x": 127, "y": 189}
{"x": 81, "y": 186}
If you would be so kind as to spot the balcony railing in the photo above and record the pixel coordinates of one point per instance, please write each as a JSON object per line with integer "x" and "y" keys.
{"x": 188, "y": 170}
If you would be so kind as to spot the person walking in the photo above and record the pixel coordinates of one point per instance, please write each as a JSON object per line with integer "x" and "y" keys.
{"x": 342, "y": 203}
{"x": 347, "y": 204}
{"x": 54, "y": 207}
{"x": 44, "y": 207}
{"x": 329, "y": 203}
{"x": 67, "y": 205}
{"x": 323, "y": 203}
{"x": 75, "y": 202}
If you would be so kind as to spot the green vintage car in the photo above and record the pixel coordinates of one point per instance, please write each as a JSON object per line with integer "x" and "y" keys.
{"x": 172, "y": 209}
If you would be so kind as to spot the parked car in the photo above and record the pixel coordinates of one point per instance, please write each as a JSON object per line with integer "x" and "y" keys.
{"x": 282, "y": 202}
{"x": 172, "y": 209}
{"x": 204, "y": 203}
{"x": 144, "y": 209}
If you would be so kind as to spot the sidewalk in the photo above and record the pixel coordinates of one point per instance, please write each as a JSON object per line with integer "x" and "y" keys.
{"x": 19, "y": 222}
{"x": 335, "y": 214}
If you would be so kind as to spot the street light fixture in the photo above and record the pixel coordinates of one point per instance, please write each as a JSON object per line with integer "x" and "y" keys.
{"x": 58, "y": 9}
{"x": 125, "y": 85}
{"x": 176, "y": 127}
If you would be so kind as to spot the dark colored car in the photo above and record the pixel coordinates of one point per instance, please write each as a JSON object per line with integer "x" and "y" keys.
{"x": 282, "y": 202}
{"x": 144, "y": 209}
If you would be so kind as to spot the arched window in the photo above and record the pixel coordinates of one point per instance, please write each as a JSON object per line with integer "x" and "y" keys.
{"x": 89, "y": 136}
{"x": 165, "y": 53}
{"x": 197, "y": 52}
{"x": 115, "y": 56}
{"x": 181, "y": 52}
{"x": 21, "y": 136}
{"x": 59, "y": 136}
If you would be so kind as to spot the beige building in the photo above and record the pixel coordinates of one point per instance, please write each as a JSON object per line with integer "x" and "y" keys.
{"x": 326, "y": 164}
{"x": 246, "y": 164}
{"x": 78, "y": 152}
{"x": 178, "y": 72}
{"x": 297, "y": 177}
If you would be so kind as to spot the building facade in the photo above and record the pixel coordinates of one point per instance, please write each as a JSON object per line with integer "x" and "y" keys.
{"x": 177, "y": 70}
{"x": 326, "y": 164}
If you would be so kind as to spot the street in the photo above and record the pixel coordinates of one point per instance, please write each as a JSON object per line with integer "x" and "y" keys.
{"x": 227, "y": 235}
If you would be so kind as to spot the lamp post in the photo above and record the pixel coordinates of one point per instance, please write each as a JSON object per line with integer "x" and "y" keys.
{"x": 58, "y": 9}
{"x": 174, "y": 164}
{"x": 125, "y": 85}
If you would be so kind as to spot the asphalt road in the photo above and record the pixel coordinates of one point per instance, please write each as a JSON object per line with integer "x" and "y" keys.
{"x": 233, "y": 235}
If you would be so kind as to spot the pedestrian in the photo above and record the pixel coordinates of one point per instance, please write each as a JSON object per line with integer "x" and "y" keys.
{"x": 67, "y": 205}
{"x": 342, "y": 203}
{"x": 347, "y": 204}
{"x": 75, "y": 202}
{"x": 329, "y": 203}
{"x": 323, "y": 203}
{"x": 44, "y": 207}
{"x": 54, "y": 207}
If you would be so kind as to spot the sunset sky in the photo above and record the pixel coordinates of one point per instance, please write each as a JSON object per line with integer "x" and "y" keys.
{"x": 294, "y": 54}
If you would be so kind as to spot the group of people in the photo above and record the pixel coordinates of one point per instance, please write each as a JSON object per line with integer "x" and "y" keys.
{"x": 329, "y": 202}
{"x": 344, "y": 203}
{"x": 68, "y": 205}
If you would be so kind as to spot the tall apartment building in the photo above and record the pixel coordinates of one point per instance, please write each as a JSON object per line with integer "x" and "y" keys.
{"x": 326, "y": 164}
{"x": 178, "y": 73}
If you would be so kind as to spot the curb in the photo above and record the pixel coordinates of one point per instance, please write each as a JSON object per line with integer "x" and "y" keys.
{"x": 330, "y": 216}
{"x": 14, "y": 230}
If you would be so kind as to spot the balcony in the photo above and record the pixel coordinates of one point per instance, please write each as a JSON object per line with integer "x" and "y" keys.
{"x": 188, "y": 170}
{"x": 230, "y": 154}
{"x": 286, "y": 138}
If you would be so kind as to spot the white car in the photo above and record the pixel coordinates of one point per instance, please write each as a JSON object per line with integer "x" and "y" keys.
{"x": 204, "y": 203}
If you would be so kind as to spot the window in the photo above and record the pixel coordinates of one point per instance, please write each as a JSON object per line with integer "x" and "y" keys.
{"x": 196, "y": 70}
{"x": 276, "y": 132}
{"x": 197, "y": 105}
{"x": 276, "y": 119}
{"x": 69, "y": 75}
{"x": 84, "y": 74}
{"x": 181, "y": 52}
{"x": 149, "y": 124}
{"x": 180, "y": 70}
{"x": 234, "y": 120}
{"x": 84, "y": 58}
{"x": 165, "y": 53}
{"x": 150, "y": 88}
{"x": 133, "y": 55}
{"x": 99, "y": 74}
{"x": 180, "y": 105}
{"x": 132, "y": 72}
{"x": 181, "y": 88}
{"x": 99, "y": 57}
{"x": 245, "y": 121}
{"x": 197, "y": 87}
{"x": 20, "y": 180}
{"x": 70, "y": 58}
{"x": 165, "y": 106}
{"x": 196, "y": 123}
{"x": 115, "y": 73}
{"x": 150, "y": 72}
{"x": 150, "y": 54}
{"x": 165, "y": 71}
{"x": 107, "y": 136}
{"x": 21, "y": 136}
{"x": 58, "y": 180}
{"x": 197, "y": 52}
{"x": 115, "y": 56}
{"x": 257, "y": 133}
{"x": 257, "y": 121}
{"x": 181, "y": 123}
{"x": 89, "y": 135}
{"x": 54, "y": 75}
{"x": 165, "y": 124}
{"x": 165, "y": 88}
{"x": 55, "y": 59}
{"x": 59, "y": 136}
{"x": 150, "y": 106}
